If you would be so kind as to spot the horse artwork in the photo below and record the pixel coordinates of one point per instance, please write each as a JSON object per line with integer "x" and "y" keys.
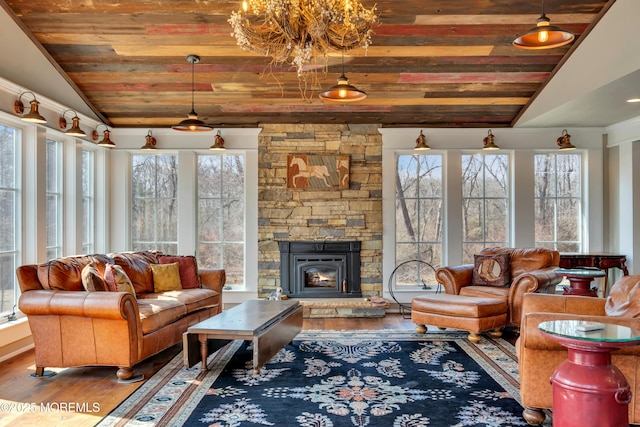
{"x": 322, "y": 172}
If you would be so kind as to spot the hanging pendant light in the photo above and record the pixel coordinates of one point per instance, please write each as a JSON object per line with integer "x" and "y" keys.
{"x": 487, "y": 142}
{"x": 343, "y": 91}
{"x": 191, "y": 123}
{"x": 544, "y": 35}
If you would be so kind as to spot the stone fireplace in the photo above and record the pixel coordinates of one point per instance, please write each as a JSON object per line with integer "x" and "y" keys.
{"x": 320, "y": 269}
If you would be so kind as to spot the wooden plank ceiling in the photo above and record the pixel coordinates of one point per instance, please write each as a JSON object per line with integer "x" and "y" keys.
{"x": 431, "y": 62}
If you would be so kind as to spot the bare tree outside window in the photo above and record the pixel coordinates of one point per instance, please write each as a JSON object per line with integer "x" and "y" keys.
{"x": 558, "y": 201}
{"x": 154, "y": 215}
{"x": 419, "y": 192}
{"x": 9, "y": 222}
{"x": 485, "y": 202}
{"x": 221, "y": 214}
{"x": 88, "y": 201}
{"x": 54, "y": 198}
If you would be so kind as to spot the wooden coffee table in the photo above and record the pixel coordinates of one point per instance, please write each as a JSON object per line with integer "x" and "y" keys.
{"x": 270, "y": 325}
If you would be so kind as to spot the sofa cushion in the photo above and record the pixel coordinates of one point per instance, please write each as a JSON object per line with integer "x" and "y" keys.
{"x": 491, "y": 270}
{"x": 136, "y": 265}
{"x": 188, "y": 266}
{"x": 117, "y": 280}
{"x": 192, "y": 299}
{"x": 166, "y": 277}
{"x": 65, "y": 274}
{"x": 92, "y": 280}
{"x": 156, "y": 313}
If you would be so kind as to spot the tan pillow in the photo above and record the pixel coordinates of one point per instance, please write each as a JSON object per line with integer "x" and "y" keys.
{"x": 92, "y": 281}
{"x": 624, "y": 298}
{"x": 188, "y": 267}
{"x": 117, "y": 280}
{"x": 166, "y": 277}
{"x": 491, "y": 270}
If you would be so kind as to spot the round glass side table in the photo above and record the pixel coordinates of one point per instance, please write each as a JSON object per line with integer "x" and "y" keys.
{"x": 589, "y": 391}
{"x": 580, "y": 280}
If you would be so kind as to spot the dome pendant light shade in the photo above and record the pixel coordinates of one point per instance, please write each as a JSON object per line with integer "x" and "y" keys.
{"x": 343, "y": 91}
{"x": 192, "y": 123}
{"x": 544, "y": 35}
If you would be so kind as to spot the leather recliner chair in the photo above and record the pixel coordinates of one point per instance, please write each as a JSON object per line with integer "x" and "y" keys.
{"x": 531, "y": 270}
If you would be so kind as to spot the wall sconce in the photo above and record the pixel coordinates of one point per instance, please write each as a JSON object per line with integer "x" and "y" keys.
{"x": 33, "y": 116}
{"x": 150, "y": 143}
{"x": 421, "y": 142}
{"x": 106, "y": 141}
{"x": 74, "y": 130}
{"x": 564, "y": 142}
{"x": 487, "y": 142}
{"x": 218, "y": 143}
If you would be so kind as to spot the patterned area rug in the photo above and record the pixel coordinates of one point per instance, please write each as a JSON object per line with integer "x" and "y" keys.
{"x": 338, "y": 378}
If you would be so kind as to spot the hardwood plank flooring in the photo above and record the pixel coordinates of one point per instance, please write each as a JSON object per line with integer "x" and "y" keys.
{"x": 90, "y": 393}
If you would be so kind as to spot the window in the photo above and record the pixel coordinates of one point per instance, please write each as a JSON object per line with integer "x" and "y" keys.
{"x": 9, "y": 218}
{"x": 221, "y": 214}
{"x": 558, "y": 202}
{"x": 485, "y": 202}
{"x": 54, "y": 199}
{"x": 154, "y": 211}
{"x": 419, "y": 217}
{"x": 88, "y": 201}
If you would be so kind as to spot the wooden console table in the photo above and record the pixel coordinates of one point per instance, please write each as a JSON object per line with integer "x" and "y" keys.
{"x": 603, "y": 261}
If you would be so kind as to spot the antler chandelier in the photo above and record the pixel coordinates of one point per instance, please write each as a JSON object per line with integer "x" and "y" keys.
{"x": 298, "y": 31}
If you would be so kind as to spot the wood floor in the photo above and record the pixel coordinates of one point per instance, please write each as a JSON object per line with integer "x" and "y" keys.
{"x": 80, "y": 397}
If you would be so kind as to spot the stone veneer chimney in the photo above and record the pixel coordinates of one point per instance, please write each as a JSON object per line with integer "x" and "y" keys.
{"x": 353, "y": 214}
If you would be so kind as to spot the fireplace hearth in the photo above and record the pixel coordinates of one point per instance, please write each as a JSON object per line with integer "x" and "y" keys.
{"x": 320, "y": 269}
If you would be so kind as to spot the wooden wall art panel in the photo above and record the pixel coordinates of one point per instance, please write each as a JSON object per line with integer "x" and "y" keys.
{"x": 321, "y": 172}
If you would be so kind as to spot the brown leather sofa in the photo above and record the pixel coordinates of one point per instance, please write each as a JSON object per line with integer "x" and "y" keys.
{"x": 539, "y": 356}
{"x": 531, "y": 270}
{"x": 73, "y": 327}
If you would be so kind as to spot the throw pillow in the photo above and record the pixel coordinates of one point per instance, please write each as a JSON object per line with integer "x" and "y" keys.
{"x": 117, "y": 280}
{"x": 491, "y": 270}
{"x": 92, "y": 281}
{"x": 188, "y": 267}
{"x": 166, "y": 277}
{"x": 624, "y": 298}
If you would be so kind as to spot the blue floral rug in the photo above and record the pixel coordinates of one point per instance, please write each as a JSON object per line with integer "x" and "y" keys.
{"x": 330, "y": 378}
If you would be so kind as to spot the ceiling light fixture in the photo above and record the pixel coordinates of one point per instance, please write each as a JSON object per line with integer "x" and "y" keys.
{"x": 106, "y": 140}
{"x": 74, "y": 130}
{"x": 421, "y": 142}
{"x": 487, "y": 142}
{"x": 218, "y": 143}
{"x": 191, "y": 123}
{"x": 343, "y": 91}
{"x": 150, "y": 143}
{"x": 33, "y": 116}
{"x": 564, "y": 142}
{"x": 632, "y": 100}
{"x": 298, "y": 31}
{"x": 544, "y": 35}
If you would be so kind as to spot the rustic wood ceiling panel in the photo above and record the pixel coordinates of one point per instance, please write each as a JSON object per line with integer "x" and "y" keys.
{"x": 431, "y": 63}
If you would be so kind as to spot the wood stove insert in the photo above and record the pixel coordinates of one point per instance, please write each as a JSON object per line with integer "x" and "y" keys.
{"x": 320, "y": 269}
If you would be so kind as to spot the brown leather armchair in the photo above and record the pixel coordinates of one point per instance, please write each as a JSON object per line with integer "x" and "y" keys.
{"x": 532, "y": 270}
{"x": 539, "y": 356}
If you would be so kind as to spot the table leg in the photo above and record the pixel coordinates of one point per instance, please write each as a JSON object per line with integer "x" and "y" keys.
{"x": 204, "y": 350}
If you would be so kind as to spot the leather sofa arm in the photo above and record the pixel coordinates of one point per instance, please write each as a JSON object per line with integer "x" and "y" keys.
{"x": 453, "y": 278}
{"x": 103, "y": 305}
{"x": 213, "y": 278}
